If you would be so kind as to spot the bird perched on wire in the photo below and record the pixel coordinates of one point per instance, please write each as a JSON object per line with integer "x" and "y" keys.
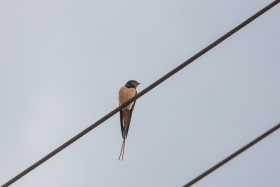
{"x": 126, "y": 92}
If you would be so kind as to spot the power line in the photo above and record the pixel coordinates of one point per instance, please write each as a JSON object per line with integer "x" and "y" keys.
{"x": 233, "y": 155}
{"x": 153, "y": 85}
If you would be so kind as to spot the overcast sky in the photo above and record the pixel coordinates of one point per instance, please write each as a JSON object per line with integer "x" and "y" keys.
{"x": 62, "y": 63}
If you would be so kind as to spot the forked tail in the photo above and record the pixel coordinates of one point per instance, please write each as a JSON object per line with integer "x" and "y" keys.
{"x": 122, "y": 149}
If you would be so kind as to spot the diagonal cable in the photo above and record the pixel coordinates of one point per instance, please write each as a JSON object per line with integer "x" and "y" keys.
{"x": 153, "y": 85}
{"x": 233, "y": 155}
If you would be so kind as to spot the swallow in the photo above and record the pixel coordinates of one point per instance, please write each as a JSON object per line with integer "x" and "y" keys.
{"x": 126, "y": 92}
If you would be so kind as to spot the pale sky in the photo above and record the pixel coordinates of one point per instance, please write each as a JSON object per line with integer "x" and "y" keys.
{"x": 62, "y": 63}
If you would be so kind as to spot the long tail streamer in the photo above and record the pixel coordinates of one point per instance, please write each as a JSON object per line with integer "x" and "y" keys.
{"x": 122, "y": 149}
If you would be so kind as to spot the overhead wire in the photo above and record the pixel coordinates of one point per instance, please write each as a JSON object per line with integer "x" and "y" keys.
{"x": 233, "y": 155}
{"x": 140, "y": 94}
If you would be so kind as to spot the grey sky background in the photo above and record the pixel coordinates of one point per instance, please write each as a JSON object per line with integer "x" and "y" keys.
{"x": 62, "y": 63}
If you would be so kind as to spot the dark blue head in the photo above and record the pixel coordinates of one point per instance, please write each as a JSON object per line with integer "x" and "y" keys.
{"x": 132, "y": 84}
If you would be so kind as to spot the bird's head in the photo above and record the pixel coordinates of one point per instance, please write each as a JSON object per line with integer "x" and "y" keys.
{"x": 132, "y": 84}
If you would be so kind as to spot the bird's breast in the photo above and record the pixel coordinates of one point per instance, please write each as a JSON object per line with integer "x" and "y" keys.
{"x": 126, "y": 94}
